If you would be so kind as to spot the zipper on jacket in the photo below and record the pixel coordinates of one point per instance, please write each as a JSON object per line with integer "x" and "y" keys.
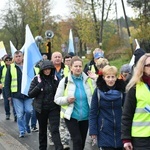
{"x": 114, "y": 123}
{"x": 102, "y": 124}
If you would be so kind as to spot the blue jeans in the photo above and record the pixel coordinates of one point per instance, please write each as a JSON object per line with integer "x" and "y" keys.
{"x": 7, "y": 104}
{"x": 24, "y": 111}
{"x": 33, "y": 119}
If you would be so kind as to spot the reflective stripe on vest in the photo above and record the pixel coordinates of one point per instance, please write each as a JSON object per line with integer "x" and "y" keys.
{"x": 3, "y": 75}
{"x": 141, "y": 119}
{"x": 64, "y": 107}
{"x": 14, "y": 83}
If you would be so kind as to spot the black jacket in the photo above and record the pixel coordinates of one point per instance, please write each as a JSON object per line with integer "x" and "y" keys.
{"x": 128, "y": 113}
{"x": 43, "y": 92}
{"x": 88, "y": 66}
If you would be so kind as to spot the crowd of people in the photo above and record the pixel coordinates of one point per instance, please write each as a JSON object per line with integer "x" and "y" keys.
{"x": 72, "y": 102}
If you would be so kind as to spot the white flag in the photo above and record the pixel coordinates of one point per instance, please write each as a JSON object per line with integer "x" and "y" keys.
{"x": 31, "y": 56}
{"x": 2, "y": 49}
{"x": 71, "y": 43}
{"x": 12, "y": 48}
{"x": 133, "y": 57}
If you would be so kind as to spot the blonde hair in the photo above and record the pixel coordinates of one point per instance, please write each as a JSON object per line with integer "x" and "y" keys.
{"x": 101, "y": 63}
{"x": 138, "y": 72}
{"x": 110, "y": 69}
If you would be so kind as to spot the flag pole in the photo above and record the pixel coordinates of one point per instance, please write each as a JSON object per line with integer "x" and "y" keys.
{"x": 130, "y": 39}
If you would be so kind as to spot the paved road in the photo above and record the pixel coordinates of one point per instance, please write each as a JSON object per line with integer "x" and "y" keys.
{"x": 9, "y": 139}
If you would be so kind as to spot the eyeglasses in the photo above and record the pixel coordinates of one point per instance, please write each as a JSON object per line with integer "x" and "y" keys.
{"x": 147, "y": 65}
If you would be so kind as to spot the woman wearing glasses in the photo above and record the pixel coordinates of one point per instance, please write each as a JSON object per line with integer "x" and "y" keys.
{"x": 136, "y": 111}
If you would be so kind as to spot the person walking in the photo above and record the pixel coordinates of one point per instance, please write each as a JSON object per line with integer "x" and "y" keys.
{"x": 125, "y": 72}
{"x": 106, "y": 110}
{"x": 42, "y": 89}
{"x": 61, "y": 71}
{"x": 75, "y": 102}
{"x": 136, "y": 118}
{"x": 22, "y": 103}
{"x": 91, "y": 65}
{"x": 3, "y": 70}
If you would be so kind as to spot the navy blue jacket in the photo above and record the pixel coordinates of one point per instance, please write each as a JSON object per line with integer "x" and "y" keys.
{"x": 105, "y": 117}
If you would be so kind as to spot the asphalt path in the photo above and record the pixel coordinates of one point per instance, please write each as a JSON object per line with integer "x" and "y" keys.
{"x": 9, "y": 136}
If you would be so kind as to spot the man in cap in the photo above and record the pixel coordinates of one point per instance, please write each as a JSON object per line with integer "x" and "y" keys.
{"x": 3, "y": 69}
{"x": 91, "y": 66}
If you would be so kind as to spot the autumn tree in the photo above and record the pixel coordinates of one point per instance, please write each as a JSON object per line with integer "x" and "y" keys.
{"x": 21, "y": 12}
{"x": 142, "y": 21}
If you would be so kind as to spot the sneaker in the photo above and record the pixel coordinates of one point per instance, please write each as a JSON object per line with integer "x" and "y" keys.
{"x": 34, "y": 129}
{"x": 7, "y": 117}
{"x": 67, "y": 147}
{"x": 21, "y": 135}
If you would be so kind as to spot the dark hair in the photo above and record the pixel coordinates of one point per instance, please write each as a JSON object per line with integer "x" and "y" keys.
{"x": 67, "y": 56}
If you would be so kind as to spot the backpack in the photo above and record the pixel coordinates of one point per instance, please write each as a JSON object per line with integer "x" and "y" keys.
{"x": 65, "y": 83}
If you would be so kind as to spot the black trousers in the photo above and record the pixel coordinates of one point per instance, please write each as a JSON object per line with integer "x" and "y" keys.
{"x": 141, "y": 143}
{"x": 78, "y": 131}
{"x": 54, "y": 119}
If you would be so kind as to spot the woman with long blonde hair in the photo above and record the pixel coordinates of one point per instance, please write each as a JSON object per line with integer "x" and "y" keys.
{"x": 136, "y": 111}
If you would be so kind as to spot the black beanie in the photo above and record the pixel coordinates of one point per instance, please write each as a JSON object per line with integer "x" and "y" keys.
{"x": 138, "y": 54}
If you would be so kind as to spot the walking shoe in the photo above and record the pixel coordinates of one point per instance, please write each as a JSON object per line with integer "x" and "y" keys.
{"x": 34, "y": 129}
{"x": 21, "y": 135}
{"x": 66, "y": 147}
{"x": 7, "y": 117}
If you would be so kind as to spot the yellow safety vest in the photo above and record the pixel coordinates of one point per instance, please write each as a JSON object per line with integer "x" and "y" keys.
{"x": 64, "y": 107}
{"x": 36, "y": 69}
{"x": 66, "y": 71}
{"x": 14, "y": 83}
{"x": 2, "y": 63}
{"x": 141, "y": 119}
{"x": 93, "y": 69}
{"x": 3, "y": 75}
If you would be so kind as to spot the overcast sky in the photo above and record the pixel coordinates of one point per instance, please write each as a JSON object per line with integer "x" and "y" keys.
{"x": 61, "y": 7}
